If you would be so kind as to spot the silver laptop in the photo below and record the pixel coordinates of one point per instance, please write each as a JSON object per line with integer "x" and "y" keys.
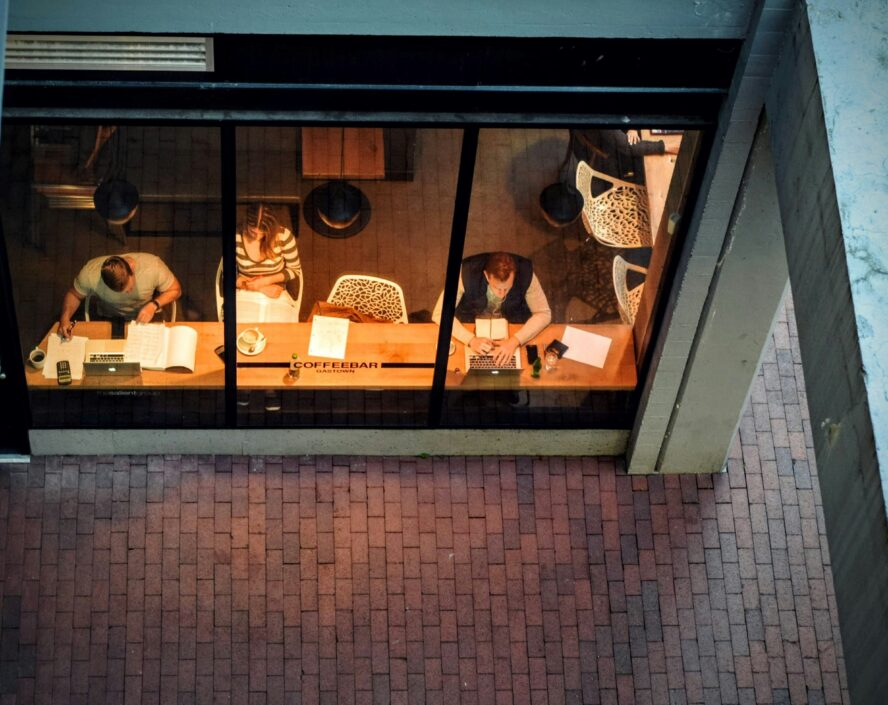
{"x": 484, "y": 364}
{"x": 107, "y": 358}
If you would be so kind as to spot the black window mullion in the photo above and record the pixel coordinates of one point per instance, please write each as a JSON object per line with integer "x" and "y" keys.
{"x": 460, "y": 221}
{"x": 229, "y": 267}
{"x": 15, "y": 418}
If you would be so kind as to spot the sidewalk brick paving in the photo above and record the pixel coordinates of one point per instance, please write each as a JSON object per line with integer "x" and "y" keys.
{"x": 534, "y": 581}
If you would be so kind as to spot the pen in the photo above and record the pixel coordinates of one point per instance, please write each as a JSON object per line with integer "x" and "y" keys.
{"x": 69, "y": 331}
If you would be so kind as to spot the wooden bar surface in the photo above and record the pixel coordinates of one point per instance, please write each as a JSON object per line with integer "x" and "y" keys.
{"x": 373, "y": 354}
{"x": 658, "y": 170}
{"x": 618, "y": 372}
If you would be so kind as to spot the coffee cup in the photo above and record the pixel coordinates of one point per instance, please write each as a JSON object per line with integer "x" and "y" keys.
{"x": 251, "y": 338}
{"x": 36, "y": 358}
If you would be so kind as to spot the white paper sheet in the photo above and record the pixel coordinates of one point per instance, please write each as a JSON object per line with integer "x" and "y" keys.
{"x": 74, "y": 351}
{"x": 585, "y": 347}
{"x": 146, "y": 343}
{"x": 329, "y": 337}
{"x": 256, "y": 307}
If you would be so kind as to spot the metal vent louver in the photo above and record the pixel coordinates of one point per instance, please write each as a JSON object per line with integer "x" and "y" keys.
{"x": 108, "y": 53}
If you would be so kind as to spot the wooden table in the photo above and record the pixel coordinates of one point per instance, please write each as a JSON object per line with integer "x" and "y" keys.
{"x": 322, "y": 156}
{"x": 208, "y": 371}
{"x": 618, "y": 373}
{"x": 658, "y": 169}
{"x": 378, "y": 356}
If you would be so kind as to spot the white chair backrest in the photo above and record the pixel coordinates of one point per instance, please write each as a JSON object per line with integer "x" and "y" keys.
{"x": 298, "y": 300}
{"x": 619, "y": 216}
{"x": 628, "y": 300}
{"x": 219, "y": 297}
{"x": 372, "y": 296}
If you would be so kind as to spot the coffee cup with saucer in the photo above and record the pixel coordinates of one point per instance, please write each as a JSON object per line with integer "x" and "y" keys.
{"x": 251, "y": 341}
{"x": 36, "y": 358}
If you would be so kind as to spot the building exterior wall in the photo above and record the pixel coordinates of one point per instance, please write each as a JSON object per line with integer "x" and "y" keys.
{"x": 744, "y": 299}
{"x": 825, "y": 114}
{"x": 830, "y": 179}
{"x": 708, "y": 228}
{"x": 498, "y": 18}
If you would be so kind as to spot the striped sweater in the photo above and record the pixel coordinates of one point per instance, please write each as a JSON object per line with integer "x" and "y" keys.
{"x": 286, "y": 258}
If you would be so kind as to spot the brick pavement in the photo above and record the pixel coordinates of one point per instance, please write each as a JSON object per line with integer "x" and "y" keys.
{"x": 437, "y": 581}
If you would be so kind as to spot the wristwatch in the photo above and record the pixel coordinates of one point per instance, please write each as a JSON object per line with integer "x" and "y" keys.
{"x": 156, "y": 304}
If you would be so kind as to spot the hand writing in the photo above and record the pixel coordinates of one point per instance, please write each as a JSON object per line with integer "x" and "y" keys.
{"x": 66, "y": 329}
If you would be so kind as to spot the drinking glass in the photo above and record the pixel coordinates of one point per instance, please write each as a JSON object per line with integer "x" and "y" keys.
{"x": 551, "y": 360}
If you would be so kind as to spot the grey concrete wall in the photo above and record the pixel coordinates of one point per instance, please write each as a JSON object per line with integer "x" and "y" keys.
{"x": 829, "y": 113}
{"x": 707, "y": 230}
{"x": 303, "y": 441}
{"x": 744, "y": 300}
{"x": 495, "y": 18}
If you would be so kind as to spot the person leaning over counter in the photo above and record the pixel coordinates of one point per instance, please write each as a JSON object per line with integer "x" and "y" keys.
{"x": 498, "y": 283}
{"x": 133, "y": 286}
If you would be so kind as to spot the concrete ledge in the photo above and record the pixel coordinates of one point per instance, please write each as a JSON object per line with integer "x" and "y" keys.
{"x": 328, "y": 442}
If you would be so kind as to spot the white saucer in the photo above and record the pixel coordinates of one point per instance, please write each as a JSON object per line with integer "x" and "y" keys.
{"x": 452, "y": 348}
{"x": 243, "y": 348}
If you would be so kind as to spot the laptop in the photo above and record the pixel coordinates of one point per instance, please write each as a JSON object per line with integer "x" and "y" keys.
{"x": 484, "y": 364}
{"x": 106, "y": 358}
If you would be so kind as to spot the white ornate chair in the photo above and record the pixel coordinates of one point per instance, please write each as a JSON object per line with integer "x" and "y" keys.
{"x": 372, "y": 296}
{"x": 619, "y": 216}
{"x": 628, "y": 300}
{"x": 168, "y": 312}
{"x": 256, "y": 307}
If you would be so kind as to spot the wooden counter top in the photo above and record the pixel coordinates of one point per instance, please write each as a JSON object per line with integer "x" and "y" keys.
{"x": 658, "y": 169}
{"x": 373, "y": 360}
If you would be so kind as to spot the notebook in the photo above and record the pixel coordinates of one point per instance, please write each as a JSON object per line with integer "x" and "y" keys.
{"x": 484, "y": 364}
{"x": 493, "y": 327}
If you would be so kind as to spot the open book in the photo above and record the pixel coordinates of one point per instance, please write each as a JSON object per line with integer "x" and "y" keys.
{"x": 157, "y": 347}
{"x": 493, "y": 327}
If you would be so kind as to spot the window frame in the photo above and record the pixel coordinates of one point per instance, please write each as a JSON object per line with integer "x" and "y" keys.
{"x": 449, "y": 101}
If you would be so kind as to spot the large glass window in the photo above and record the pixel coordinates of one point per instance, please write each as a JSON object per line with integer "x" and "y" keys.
{"x": 341, "y": 240}
{"x": 564, "y": 253}
{"x": 341, "y": 246}
{"x": 105, "y": 224}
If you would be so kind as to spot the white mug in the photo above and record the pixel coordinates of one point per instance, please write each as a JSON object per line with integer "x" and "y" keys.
{"x": 251, "y": 338}
{"x": 37, "y": 358}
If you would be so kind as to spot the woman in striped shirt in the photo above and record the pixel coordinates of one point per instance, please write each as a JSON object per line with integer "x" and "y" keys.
{"x": 267, "y": 258}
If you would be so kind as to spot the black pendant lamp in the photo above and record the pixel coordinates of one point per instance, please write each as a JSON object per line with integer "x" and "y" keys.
{"x": 337, "y": 209}
{"x": 115, "y": 198}
{"x": 338, "y": 204}
{"x": 560, "y": 202}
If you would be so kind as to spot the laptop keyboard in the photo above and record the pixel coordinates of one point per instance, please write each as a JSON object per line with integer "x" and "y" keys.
{"x": 106, "y": 357}
{"x": 485, "y": 362}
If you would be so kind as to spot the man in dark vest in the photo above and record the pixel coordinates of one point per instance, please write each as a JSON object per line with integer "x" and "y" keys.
{"x": 503, "y": 284}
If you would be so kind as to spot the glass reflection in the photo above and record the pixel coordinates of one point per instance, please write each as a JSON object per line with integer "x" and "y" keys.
{"x": 112, "y": 229}
{"x": 565, "y": 248}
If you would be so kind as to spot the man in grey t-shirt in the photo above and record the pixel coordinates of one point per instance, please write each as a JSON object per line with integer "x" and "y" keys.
{"x": 133, "y": 286}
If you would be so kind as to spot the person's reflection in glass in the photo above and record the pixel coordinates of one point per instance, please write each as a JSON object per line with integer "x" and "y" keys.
{"x": 617, "y": 153}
